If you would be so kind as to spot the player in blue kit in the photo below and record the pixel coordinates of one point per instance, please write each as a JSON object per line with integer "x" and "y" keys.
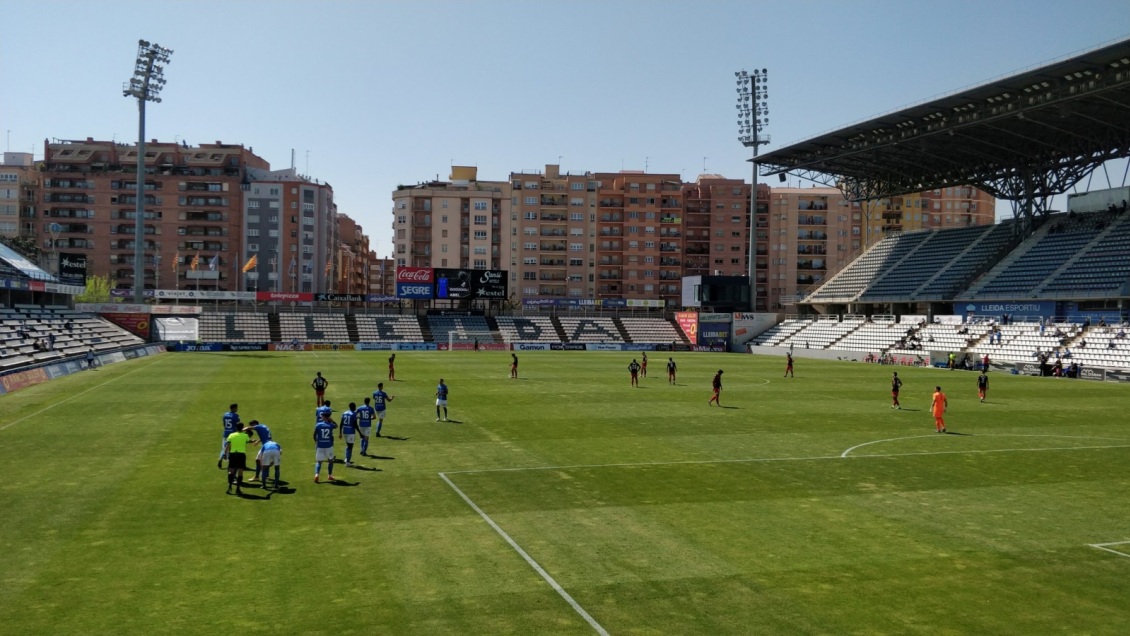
{"x": 348, "y": 430}
{"x": 365, "y": 416}
{"x": 324, "y": 445}
{"x": 380, "y": 401}
{"x": 271, "y": 455}
{"x": 441, "y": 399}
{"x": 264, "y": 434}
{"x": 231, "y": 425}
{"x": 324, "y": 408}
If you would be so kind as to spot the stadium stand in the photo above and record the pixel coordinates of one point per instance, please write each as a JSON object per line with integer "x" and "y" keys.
{"x": 875, "y": 335}
{"x": 1100, "y": 269}
{"x": 388, "y": 328}
{"x": 234, "y": 327}
{"x": 885, "y": 256}
{"x": 527, "y": 329}
{"x": 777, "y": 334}
{"x": 442, "y": 326}
{"x": 22, "y": 326}
{"x": 590, "y": 329}
{"x": 937, "y": 248}
{"x": 820, "y": 334}
{"x": 1105, "y": 347}
{"x": 651, "y": 330}
{"x": 313, "y": 327}
{"x": 1020, "y": 341}
{"x": 955, "y": 275}
{"x": 1051, "y": 251}
{"x": 937, "y": 337}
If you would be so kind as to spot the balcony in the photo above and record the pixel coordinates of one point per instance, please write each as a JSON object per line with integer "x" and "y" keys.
{"x": 612, "y": 218}
{"x": 194, "y": 201}
{"x": 58, "y": 197}
{"x": 557, "y": 202}
{"x": 68, "y": 213}
{"x": 74, "y": 228}
{"x": 553, "y": 262}
{"x": 552, "y": 277}
{"x": 811, "y": 236}
{"x": 607, "y": 260}
{"x": 615, "y": 232}
{"x": 421, "y": 206}
{"x": 203, "y": 216}
{"x": 552, "y": 233}
{"x": 67, "y": 183}
{"x": 129, "y": 229}
{"x": 670, "y": 203}
{"x": 611, "y": 203}
{"x": 421, "y": 235}
{"x": 810, "y": 220}
{"x": 549, "y": 216}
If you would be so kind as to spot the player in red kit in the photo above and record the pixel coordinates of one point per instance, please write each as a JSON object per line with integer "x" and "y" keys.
{"x": 716, "y": 384}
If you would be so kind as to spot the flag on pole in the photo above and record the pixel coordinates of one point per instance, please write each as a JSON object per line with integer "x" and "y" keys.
{"x": 195, "y": 262}
{"x": 214, "y": 262}
{"x": 176, "y": 264}
{"x": 293, "y": 262}
{"x": 251, "y": 263}
{"x": 329, "y": 266}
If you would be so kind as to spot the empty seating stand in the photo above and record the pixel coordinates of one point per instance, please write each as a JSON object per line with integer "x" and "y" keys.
{"x": 388, "y": 328}
{"x": 527, "y": 329}
{"x": 313, "y": 327}
{"x": 234, "y": 327}
{"x": 590, "y": 329}
{"x": 651, "y": 330}
{"x": 464, "y": 327}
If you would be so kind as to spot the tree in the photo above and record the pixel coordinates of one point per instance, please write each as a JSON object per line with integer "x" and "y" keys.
{"x": 97, "y": 290}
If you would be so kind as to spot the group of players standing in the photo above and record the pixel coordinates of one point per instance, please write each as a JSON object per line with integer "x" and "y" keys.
{"x": 939, "y": 402}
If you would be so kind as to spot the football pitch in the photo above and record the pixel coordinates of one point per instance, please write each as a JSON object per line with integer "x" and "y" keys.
{"x": 567, "y": 502}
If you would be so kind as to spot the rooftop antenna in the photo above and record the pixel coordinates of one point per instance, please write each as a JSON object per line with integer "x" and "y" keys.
{"x": 9, "y": 147}
{"x": 704, "y": 164}
{"x": 292, "y": 158}
{"x": 307, "y": 163}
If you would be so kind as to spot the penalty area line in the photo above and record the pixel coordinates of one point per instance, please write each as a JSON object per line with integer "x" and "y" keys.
{"x": 64, "y": 401}
{"x": 534, "y": 564}
{"x": 1104, "y": 546}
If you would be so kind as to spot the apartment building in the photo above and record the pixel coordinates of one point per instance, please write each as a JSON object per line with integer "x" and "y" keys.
{"x": 290, "y": 224}
{"x": 192, "y": 198}
{"x": 716, "y": 225}
{"x": 19, "y": 189}
{"x": 352, "y": 257}
{"x": 457, "y": 223}
{"x": 813, "y": 232}
{"x": 632, "y": 209}
{"x": 553, "y": 229}
{"x": 381, "y": 275}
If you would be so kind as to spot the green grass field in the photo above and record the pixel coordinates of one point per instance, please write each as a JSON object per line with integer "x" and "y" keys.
{"x": 806, "y": 505}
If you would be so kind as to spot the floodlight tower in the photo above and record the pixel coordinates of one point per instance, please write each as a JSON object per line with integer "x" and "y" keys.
{"x": 146, "y": 84}
{"x": 753, "y": 117}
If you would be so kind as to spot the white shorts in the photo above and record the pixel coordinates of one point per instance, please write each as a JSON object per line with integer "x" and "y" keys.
{"x": 324, "y": 455}
{"x": 380, "y": 415}
{"x": 270, "y": 458}
{"x": 365, "y": 430}
{"x": 441, "y": 402}
{"x": 350, "y": 438}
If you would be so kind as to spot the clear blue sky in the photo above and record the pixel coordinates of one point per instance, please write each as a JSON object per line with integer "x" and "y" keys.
{"x": 383, "y": 93}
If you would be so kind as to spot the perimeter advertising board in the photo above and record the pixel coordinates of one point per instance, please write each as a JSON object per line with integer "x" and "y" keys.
{"x": 490, "y": 284}
{"x": 416, "y": 283}
{"x": 688, "y": 322}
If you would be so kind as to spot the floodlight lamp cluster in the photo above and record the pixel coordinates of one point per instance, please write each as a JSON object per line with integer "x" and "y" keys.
{"x": 753, "y": 104}
{"x": 148, "y": 72}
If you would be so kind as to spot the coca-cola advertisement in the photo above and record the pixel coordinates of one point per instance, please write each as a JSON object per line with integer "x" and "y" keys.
{"x": 415, "y": 275}
{"x": 489, "y": 284}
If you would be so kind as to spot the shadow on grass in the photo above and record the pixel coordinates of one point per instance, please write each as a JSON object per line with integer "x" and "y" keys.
{"x": 364, "y": 468}
{"x": 910, "y": 410}
{"x": 340, "y": 482}
{"x": 253, "y": 497}
{"x": 961, "y": 434}
{"x": 450, "y": 422}
{"x": 730, "y": 407}
{"x": 396, "y": 439}
{"x": 378, "y": 457}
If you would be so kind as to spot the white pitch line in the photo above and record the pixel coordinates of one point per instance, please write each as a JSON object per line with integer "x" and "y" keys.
{"x": 534, "y": 564}
{"x": 753, "y": 460}
{"x": 98, "y": 386}
{"x": 895, "y": 439}
{"x": 1102, "y": 546}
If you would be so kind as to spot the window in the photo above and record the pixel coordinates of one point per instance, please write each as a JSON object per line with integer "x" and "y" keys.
{"x": 649, "y": 244}
{"x": 480, "y": 235}
{"x": 577, "y": 202}
{"x": 735, "y": 219}
{"x": 649, "y": 230}
{"x": 252, "y": 247}
{"x": 576, "y": 185}
{"x": 480, "y": 205}
{"x": 576, "y": 262}
{"x": 480, "y": 263}
{"x": 530, "y": 231}
{"x": 530, "y": 260}
{"x": 530, "y": 246}
{"x": 649, "y": 259}
{"x": 480, "y": 219}
{"x": 647, "y": 273}
{"x": 577, "y": 216}
{"x": 443, "y": 218}
{"x": 633, "y": 229}
{"x": 443, "y": 247}
{"x": 253, "y": 231}
{"x": 529, "y": 275}
{"x": 530, "y": 200}
{"x": 480, "y": 250}
{"x": 576, "y": 247}
{"x": 531, "y": 216}
{"x": 442, "y": 233}
{"x": 633, "y": 245}
{"x": 401, "y": 219}
{"x": 443, "y": 203}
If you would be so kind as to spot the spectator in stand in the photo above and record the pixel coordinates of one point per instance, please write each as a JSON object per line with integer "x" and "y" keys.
{"x": 1083, "y": 343}
{"x": 1121, "y": 334}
